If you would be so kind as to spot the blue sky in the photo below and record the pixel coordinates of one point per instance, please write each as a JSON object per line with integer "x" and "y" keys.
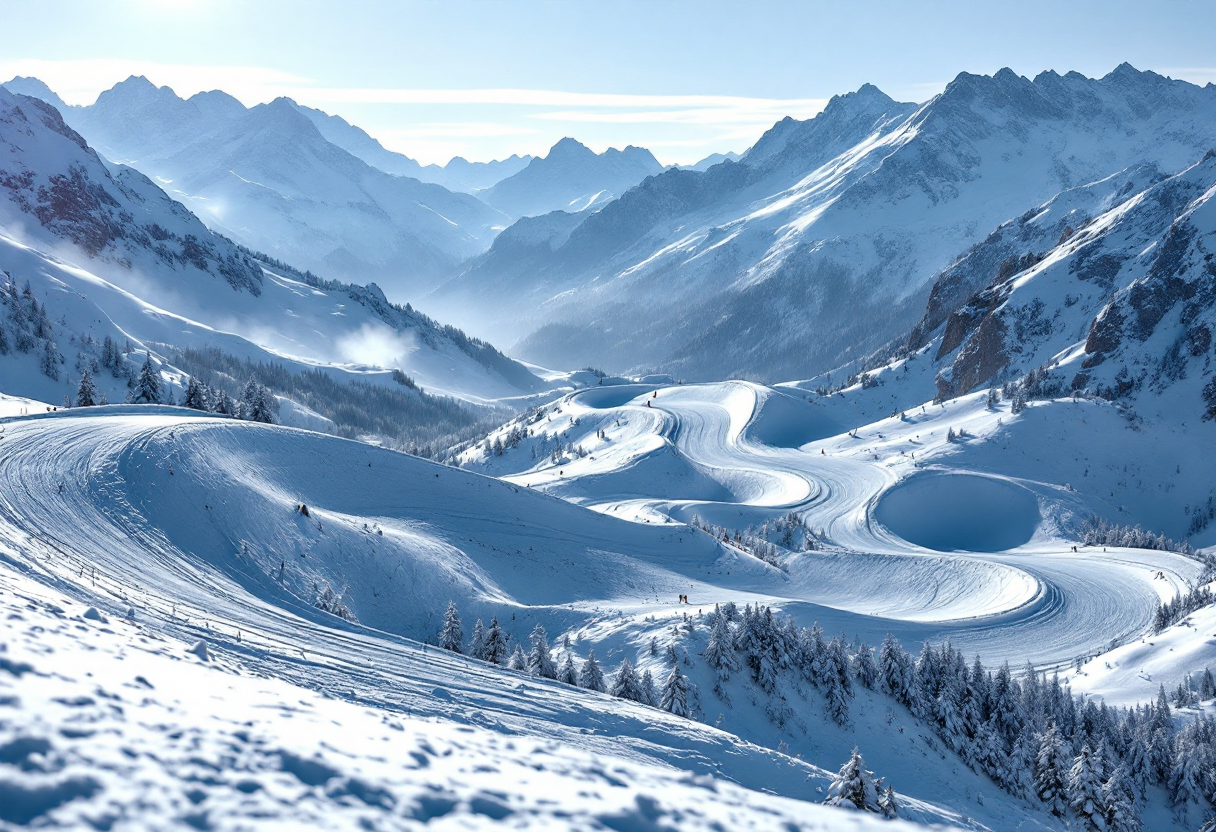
{"x": 485, "y": 79}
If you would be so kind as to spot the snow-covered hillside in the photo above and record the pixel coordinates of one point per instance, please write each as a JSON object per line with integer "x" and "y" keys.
{"x": 822, "y": 242}
{"x": 571, "y": 178}
{"x": 268, "y": 178}
{"x": 106, "y": 254}
{"x": 203, "y": 564}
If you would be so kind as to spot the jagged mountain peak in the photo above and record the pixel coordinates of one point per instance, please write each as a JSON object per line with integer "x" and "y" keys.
{"x": 568, "y": 148}
{"x": 50, "y": 117}
{"x": 137, "y": 88}
{"x": 35, "y": 88}
{"x": 848, "y": 117}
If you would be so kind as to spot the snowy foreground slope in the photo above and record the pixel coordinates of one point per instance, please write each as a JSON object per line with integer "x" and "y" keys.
{"x": 115, "y": 723}
{"x": 194, "y": 526}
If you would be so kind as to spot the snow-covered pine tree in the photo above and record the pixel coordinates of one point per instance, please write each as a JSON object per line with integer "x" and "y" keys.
{"x": 1139, "y": 762}
{"x": 518, "y": 660}
{"x": 1192, "y": 768}
{"x": 1161, "y": 738}
{"x": 477, "y": 649}
{"x": 865, "y": 668}
{"x": 1021, "y": 764}
{"x": 451, "y": 637}
{"x": 887, "y": 803}
{"x": 248, "y": 398}
{"x": 853, "y": 787}
{"x": 196, "y": 395}
{"x": 540, "y": 661}
{"x": 591, "y": 676}
{"x": 224, "y": 404}
{"x": 566, "y": 672}
{"x": 1051, "y": 772}
{"x": 1207, "y": 685}
{"x": 836, "y": 681}
{"x": 813, "y": 653}
{"x": 625, "y": 683}
{"x": 1085, "y": 791}
{"x": 895, "y": 671}
{"x": 675, "y": 693}
{"x": 1121, "y": 814}
{"x": 147, "y": 386}
{"x": 720, "y": 652}
{"x": 263, "y": 410}
{"x": 49, "y": 363}
{"x": 495, "y": 649}
{"x": 86, "y": 391}
{"x": 650, "y": 696}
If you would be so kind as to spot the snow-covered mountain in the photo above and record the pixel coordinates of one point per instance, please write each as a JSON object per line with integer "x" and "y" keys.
{"x": 108, "y": 254}
{"x": 823, "y": 241}
{"x": 267, "y": 178}
{"x": 713, "y": 159}
{"x": 459, "y": 174}
{"x": 571, "y": 178}
{"x": 1123, "y": 305}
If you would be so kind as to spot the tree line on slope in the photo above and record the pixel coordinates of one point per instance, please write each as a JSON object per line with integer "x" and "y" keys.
{"x": 408, "y": 418}
{"x": 490, "y": 644}
{"x": 1075, "y": 758}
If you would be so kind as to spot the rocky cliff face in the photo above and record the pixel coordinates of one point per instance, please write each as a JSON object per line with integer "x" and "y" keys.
{"x": 1128, "y": 301}
{"x": 53, "y": 177}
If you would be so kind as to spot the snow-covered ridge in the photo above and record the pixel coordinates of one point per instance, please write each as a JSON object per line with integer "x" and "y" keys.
{"x": 766, "y": 267}
{"x": 62, "y": 190}
{"x": 107, "y": 254}
{"x": 267, "y": 178}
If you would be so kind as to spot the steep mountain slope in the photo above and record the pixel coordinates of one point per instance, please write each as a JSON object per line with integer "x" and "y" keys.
{"x": 571, "y": 178}
{"x": 107, "y": 253}
{"x": 63, "y": 191}
{"x": 268, "y": 178}
{"x": 1123, "y": 307}
{"x": 822, "y": 242}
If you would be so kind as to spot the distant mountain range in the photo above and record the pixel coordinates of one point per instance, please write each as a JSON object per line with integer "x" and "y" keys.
{"x": 571, "y": 178}
{"x": 108, "y": 254}
{"x": 828, "y": 240}
{"x": 310, "y": 188}
{"x": 821, "y": 244}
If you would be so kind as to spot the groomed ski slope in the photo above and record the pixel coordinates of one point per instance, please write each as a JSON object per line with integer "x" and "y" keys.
{"x": 148, "y": 516}
{"x": 918, "y": 548}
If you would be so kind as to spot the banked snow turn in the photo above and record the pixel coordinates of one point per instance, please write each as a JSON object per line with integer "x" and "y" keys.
{"x": 917, "y": 546}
